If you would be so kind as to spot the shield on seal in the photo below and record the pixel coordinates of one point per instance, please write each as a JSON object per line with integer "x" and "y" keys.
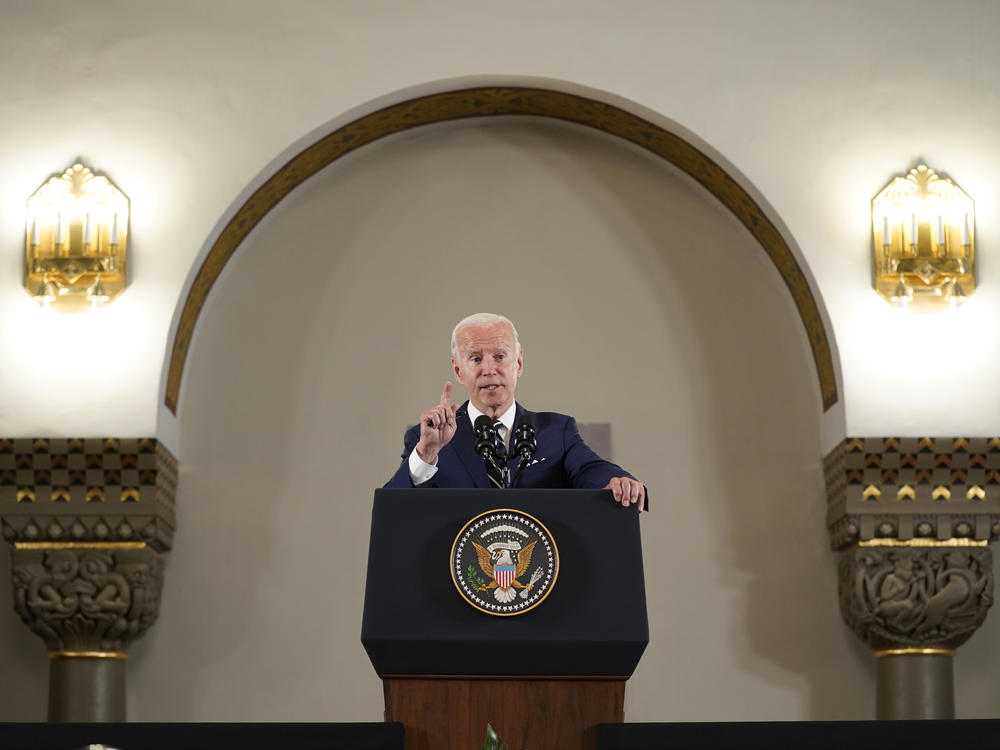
{"x": 504, "y": 575}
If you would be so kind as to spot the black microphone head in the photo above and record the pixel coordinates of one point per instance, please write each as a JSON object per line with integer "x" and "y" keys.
{"x": 524, "y": 436}
{"x": 483, "y": 429}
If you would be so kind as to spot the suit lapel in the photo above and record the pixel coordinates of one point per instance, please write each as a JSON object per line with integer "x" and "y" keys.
{"x": 464, "y": 444}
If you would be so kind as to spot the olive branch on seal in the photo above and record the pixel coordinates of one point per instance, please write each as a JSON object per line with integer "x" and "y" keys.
{"x": 473, "y": 578}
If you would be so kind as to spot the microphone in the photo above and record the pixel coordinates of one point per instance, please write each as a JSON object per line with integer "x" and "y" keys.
{"x": 496, "y": 466}
{"x": 524, "y": 442}
{"x": 483, "y": 428}
{"x": 524, "y": 436}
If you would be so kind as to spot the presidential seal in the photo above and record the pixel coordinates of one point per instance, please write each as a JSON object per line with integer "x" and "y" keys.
{"x": 504, "y": 562}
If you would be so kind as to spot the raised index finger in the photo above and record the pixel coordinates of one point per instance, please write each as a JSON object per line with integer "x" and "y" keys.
{"x": 446, "y": 394}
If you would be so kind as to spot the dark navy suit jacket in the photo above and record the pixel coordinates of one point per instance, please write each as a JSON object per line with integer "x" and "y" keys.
{"x": 561, "y": 460}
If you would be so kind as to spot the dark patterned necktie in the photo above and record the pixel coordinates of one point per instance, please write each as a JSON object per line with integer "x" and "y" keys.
{"x": 498, "y": 470}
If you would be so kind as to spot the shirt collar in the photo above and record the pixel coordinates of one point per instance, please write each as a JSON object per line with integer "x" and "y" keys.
{"x": 506, "y": 419}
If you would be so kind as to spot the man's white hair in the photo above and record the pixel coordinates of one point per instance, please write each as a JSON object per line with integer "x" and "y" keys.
{"x": 482, "y": 319}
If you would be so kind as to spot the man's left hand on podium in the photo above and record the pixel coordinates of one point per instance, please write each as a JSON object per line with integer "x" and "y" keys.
{"x": 628, "y": 491}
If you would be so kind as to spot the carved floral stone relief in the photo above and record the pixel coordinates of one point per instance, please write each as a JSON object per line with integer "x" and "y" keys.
{"x": 87, "y": 599}
{"x": 894, "y": 597}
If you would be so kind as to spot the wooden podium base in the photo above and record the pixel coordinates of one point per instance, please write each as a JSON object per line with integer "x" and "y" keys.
{"x": 537, "y": 713}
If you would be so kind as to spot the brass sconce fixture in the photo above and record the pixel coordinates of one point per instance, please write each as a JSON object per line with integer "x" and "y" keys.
{"x": 76, "y": 232}
{"x": 923, "y": 237}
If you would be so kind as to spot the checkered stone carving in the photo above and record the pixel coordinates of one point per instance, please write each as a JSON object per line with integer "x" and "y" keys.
{"x": 87, "y": 490}
{"x": 911, "y": 488}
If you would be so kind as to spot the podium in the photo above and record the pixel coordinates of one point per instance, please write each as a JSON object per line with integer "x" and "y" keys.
{"x": 543, "y": 678}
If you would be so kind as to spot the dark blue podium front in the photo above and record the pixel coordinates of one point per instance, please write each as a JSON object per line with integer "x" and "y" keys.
{"x": 593, "y": 623}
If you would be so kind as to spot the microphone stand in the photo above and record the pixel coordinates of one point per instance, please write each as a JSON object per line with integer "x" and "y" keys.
{"x": 521, "y": 466}
{"x": 524, "y": 445}
{"x": 484, "y": 432}
{"x": 502, "y": 470}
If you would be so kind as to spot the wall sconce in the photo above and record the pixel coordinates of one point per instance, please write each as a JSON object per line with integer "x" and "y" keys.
{"x": 923, "y": 237}
{"x": 76, "y": 232}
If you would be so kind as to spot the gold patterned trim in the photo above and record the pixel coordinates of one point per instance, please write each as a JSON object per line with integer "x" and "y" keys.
{"x": 117, "y": 655}
{"x": 941, "y": 492}
{"x": 871, "y": 491}
{"x": 932, "y": 651}
{"x": 953, "y": 542}
{"x": 79, "y": 545}
{"x": 493, "y": 101}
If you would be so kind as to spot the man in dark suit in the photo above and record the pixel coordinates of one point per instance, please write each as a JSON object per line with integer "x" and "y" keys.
{"x": 486, "y": 358}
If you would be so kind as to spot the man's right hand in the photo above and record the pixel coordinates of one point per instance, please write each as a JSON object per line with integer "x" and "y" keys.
{"x": 437, "y": 426}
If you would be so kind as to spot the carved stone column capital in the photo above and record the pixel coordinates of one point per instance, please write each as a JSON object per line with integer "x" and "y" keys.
{"x": 898, "y": 598}
{"x": 86, "y": 599}
{"x": 87, "y": 519}
{"x": 913, "y": 518}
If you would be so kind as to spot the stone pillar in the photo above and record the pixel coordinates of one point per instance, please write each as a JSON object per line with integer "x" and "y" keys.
{"x": 88, "y": 602}
{"x": 88, "y": 520}
{"x": 915, "y": 683}
{"x": 914, "y": 606}
{"x": 913, "y": 518}
{"x": 85, "y": 687}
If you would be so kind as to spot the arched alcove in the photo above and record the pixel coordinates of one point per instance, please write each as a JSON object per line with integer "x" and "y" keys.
{"x": 668, "y": 143}
{"x": 641, "y": 301}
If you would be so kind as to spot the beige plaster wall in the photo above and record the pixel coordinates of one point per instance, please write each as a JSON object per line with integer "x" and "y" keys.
{"x": 640, "y": 302}
{"x": 816, "y": 104}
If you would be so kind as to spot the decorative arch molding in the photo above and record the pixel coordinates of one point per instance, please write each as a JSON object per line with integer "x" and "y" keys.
{"x": 491, "y": 101}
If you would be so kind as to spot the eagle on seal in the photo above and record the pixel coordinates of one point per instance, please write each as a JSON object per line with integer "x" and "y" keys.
{"x": 497, "y": 564}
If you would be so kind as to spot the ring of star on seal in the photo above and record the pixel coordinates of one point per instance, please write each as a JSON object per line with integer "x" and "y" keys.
{"x": 504, "y": 562}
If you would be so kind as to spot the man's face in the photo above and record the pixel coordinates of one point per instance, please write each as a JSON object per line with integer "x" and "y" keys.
{"x": 488, "y": 365}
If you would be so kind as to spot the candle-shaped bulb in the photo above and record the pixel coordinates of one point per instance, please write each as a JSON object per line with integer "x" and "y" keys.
{"x": 59, "y": 229}
{"x": 966, "y": 235}
{"x": 114, "y": 229}
{"x": 886, "y": 237}
{"x": 34, "y": 231}
{"x": 913, "y": 230}
{"x": 940, "y": 229}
